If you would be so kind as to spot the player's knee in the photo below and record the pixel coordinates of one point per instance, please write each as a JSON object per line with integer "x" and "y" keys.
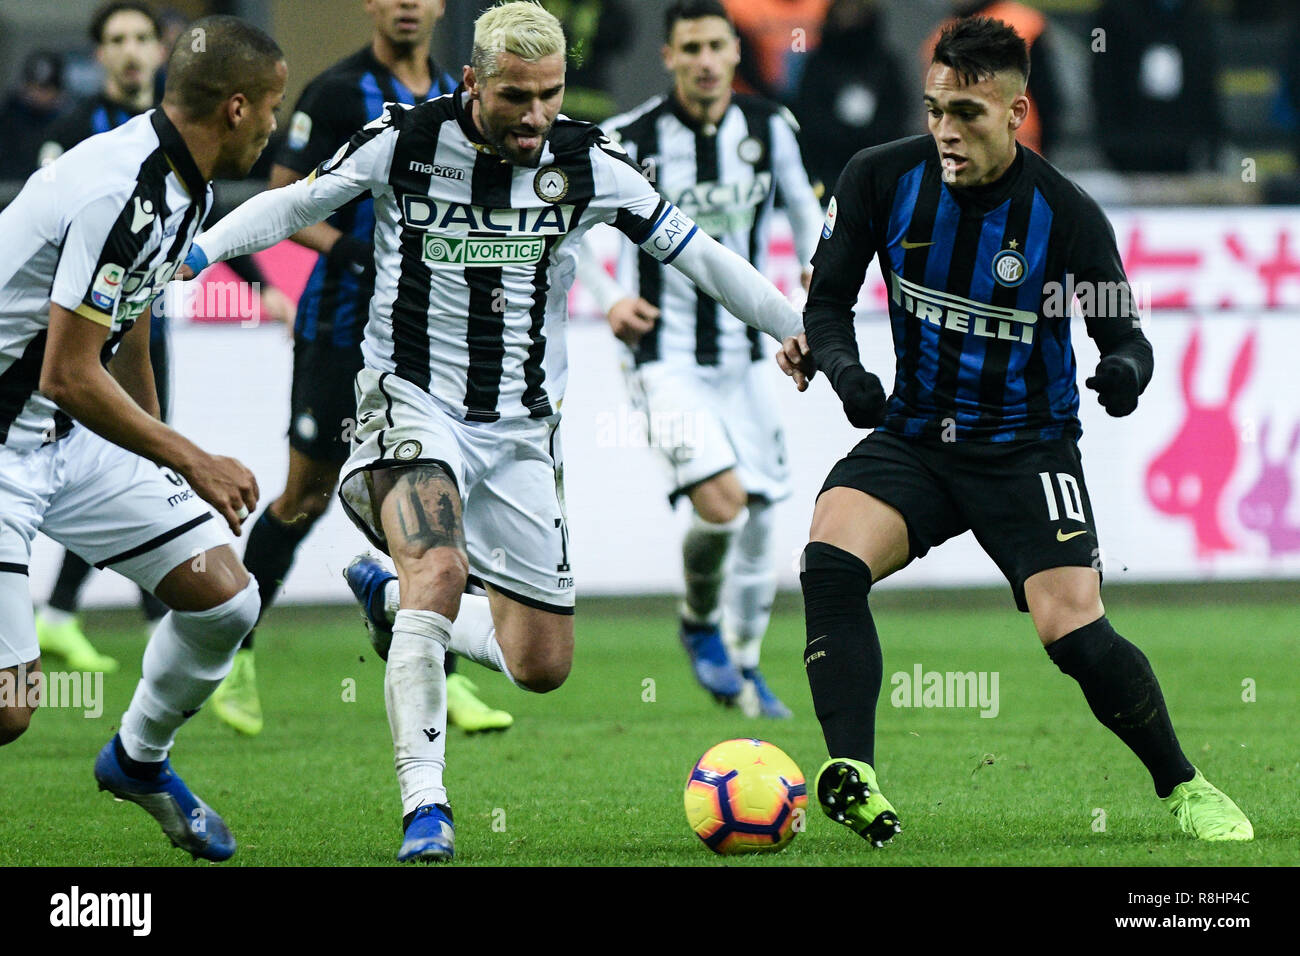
{"x": 302, "y": 510}
{"x": 14, "y": 722}
{"x": 542, "y": 674}
{"x": 225, "y": 623}
{"x": 435, "y": 580}
{"x": 718, "y": 502}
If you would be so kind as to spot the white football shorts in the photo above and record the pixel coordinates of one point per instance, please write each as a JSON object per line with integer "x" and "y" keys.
{"x": 705, "y": 420}
{"x": 101, "y": 502}
{"x": 510, "y": 475}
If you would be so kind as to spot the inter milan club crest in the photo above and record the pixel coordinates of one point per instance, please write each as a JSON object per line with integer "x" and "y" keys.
{"x": 750, "y": 150}
{"x": 1009, "y": 268}
{"x": 551, "y": 184}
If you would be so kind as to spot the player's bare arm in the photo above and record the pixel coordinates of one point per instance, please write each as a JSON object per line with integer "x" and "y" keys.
{"x": 73, "y": 377}
{"x": 131, "y": 367}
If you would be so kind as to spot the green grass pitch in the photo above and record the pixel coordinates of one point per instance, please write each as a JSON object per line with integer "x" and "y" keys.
{"x": 593, "y": 773}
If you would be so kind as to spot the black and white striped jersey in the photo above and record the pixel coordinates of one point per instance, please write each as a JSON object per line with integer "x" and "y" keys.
{"x": 474, "y": 256}
{"x": 725, "y": 177}
{"x": 99, "y": 231}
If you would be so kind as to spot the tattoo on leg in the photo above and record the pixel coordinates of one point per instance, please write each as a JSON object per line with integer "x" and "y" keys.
{"x": 436, "y": 502}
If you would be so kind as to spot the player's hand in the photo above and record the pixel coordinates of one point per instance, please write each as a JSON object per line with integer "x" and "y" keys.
{"x": 796, "y": 360}
{"x": 631, "y": 318}
{"x": 805, "y": 279}
{"x": 1116, "y": 385}
{"x": 277, "y": 307}
{"x": 355, "y": 256}
{"x": 863, "y": 397}
{"x": 225, "y": 484}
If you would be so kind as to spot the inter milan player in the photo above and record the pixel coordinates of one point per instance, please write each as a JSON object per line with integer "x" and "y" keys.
{"x": 481, "y": 199}
{"x": 128, "y": 47}
{"x": 84, "y": 457}
{"x": 722, "y": 159}
{"x": 395, "y": 67}
{"x": 981, "y": 430}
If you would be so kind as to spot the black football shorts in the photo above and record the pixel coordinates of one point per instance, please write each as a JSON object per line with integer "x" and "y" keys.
{"x": 1025, "y": 501}
{"x": 323, "y": 401}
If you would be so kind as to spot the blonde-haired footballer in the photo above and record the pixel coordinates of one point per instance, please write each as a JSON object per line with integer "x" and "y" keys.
{"x": 481, "y": 199}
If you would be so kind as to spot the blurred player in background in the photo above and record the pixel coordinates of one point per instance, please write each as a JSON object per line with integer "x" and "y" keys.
{"x": 721, "y": 159}
{"x": 395, "y": 67}
{"x": 981, "y": 432}
{"x": 127, "y": 46}
{"x": 86, "y": 246}
{"x": 481, "y": 199}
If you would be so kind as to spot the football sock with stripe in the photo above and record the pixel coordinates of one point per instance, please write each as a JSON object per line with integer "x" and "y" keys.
{"x": 842, "y": 658}
{"x": 188, "y": 656}
{"x": 272, "y": 545}
{"x": 415, "y": 691}
{"x": 1123, "y": 693}
{"x": 704, "y": 558}
{"x": 751, "y": 586}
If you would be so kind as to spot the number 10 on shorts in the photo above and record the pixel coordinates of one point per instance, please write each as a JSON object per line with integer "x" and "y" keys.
{"x": 1070, "y": 496}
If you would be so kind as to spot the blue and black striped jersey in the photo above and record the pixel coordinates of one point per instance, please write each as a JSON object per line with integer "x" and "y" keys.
{"x": 335, "y": 105}
{"x": 980, "y": 286}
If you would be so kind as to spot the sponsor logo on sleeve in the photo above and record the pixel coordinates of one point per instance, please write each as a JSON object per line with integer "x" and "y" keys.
{"x": 299, "y": 130}
{"x": 142, "y": 214}
{"x": 828, "y": 226}
{"x": 107, "y": 286}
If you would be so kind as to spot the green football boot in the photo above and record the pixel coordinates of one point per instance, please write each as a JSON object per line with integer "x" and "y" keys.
{"x": 466, "y": 711}
{"x": 1206, "y": 812}
{"x": 69, "y": 642}
{"x": 236, "y": 701}
{"x": 848, "y": 794}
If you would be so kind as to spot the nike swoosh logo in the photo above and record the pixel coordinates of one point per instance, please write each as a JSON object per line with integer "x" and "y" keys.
{"x": 915, "y": 245}
{"x": 1062, "y": 536}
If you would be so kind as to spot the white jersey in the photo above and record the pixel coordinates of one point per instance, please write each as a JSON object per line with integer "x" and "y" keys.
{"x": 474, "y": 256}
{"x": 99, "y": 232}
{"x": 725, "y": 178}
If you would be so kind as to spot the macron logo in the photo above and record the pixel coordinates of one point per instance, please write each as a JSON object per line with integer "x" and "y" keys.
{"x": 75, "y": 909}
{"x": 142, "y": 215}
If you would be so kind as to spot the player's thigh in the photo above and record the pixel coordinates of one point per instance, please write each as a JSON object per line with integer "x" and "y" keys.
{"x": 19, "y": 697}
{"x": 886, "y": 503}
{"x": 516, "y": 529}
{"x": 322, "y": 400}
{"x": 420, "y": 511}
{"x": 1028, "y": 506}
{"x": 1062, "y": 600}
{"x": 200, "y": 583}
{"x": 720, "y": 498}
{"x": 537, "y": 643}
{"x": 117, "y": 510}
{"x": 751, "y": 414}
{"x": 679, "y": 416}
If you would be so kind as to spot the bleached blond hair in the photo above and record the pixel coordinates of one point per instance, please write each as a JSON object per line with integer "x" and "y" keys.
{"x": 520, "y": 27}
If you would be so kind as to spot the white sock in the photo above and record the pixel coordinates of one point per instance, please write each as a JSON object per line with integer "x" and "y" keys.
{"x": 188, "y": 656}
{"x": 704, "y": 561}
{"x": 751, "y": 587}
{"x": 474, "y": 636}
{"x": 415, "y": 690}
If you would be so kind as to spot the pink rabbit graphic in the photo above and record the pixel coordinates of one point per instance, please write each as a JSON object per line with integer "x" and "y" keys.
{"x": 1188, "y": 477}
{"x": 1263, "y": 508}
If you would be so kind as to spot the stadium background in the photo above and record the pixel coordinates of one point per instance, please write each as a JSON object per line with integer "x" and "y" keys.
{"x": 1201, "y": 485}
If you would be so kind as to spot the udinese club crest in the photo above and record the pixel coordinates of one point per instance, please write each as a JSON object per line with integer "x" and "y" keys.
{"x": 551, "y": 184}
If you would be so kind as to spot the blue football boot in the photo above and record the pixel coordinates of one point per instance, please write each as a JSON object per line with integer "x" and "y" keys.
{"x": 187, "y": 821}
{"x": 709, "y": 659}
{"x": 430, "y": 836}
{"x": 367, "y": 578}
{"x": 757, "y": 699}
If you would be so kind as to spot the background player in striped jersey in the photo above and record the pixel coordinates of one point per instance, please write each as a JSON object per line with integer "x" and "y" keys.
{"x": 973, "y": 231}
{"x": 721, "y": 159}
{"x": 394, "y": 67}
{"x": 86, "y": 247}
{"x": 129, "y": 48}
{"x": 481, "y": 198}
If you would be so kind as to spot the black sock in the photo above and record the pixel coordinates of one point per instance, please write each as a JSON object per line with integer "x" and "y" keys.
{"x": 135, "y": 768}
{"x": 449, "y": 663}
{"x": 269, "y": 556}
{"x": 67, "y": 588}
{"x": 842, "y": 658}
{"x": 1125, "y": 696}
